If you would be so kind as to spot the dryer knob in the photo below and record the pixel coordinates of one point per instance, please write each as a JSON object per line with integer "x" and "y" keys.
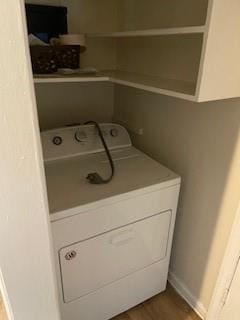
{"x": 114, "y": 132}
{"x": 57, "y": 141}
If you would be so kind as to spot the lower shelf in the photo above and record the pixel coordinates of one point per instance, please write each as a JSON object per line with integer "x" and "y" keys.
{"x": 68, "y": 78}
{"x": 169, "y": 87}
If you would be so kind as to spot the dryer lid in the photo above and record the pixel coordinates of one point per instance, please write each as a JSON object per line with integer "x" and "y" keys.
{"x": 68, "y": 188}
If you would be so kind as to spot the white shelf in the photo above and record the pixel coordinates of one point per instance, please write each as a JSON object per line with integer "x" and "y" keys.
{"x": 150, "y": 32}
{"x": 72, "y": 78}
{"x": 169, "y": 87}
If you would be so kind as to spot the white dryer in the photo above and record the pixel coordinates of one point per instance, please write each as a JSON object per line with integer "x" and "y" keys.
{"x": 112, "y": 241}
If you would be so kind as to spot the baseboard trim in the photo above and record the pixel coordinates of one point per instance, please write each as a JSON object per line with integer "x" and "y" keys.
{"x": 186, "y": 294}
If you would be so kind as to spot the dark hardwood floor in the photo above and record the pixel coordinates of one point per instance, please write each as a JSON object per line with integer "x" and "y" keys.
{"x": 165, "y": 306}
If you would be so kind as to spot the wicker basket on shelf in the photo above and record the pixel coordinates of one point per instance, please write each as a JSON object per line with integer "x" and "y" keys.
{"x": 48, "y": 59}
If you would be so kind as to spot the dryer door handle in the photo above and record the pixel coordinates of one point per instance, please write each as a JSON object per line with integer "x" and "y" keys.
{"x": 122, "y": 238}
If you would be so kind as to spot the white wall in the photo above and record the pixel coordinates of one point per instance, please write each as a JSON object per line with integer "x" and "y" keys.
{"x": 147, "y": 14}
{"x": 201, "y": 143}
{"x": 27, "y": 280}
{"x": 64, "y": 104}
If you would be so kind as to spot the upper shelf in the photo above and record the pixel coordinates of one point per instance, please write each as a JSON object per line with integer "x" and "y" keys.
{"x": 149, "y": 32}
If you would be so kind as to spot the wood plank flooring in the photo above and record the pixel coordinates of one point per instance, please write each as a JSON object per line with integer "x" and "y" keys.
{"x": 165, "y": 306}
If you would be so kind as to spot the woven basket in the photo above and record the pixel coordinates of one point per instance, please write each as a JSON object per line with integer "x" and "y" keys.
{"x": 48, "y": 59}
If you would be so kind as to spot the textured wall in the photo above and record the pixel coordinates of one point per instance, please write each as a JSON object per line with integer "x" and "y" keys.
{"x": 63, "y": 104}
{"x": 26, "y": 268}
{"x": 201, "y": 143}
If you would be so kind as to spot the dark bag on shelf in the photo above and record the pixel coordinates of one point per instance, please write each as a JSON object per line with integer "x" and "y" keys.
{"x": 48, "y": 59}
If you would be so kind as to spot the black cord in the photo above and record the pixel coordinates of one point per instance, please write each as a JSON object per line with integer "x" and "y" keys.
{"x": 95, "y": 178}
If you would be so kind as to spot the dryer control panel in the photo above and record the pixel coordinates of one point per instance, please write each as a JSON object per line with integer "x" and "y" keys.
{"x": 83, "y": 139}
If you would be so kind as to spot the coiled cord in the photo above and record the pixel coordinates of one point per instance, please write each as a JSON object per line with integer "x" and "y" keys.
{"x": 95, "y": 178}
